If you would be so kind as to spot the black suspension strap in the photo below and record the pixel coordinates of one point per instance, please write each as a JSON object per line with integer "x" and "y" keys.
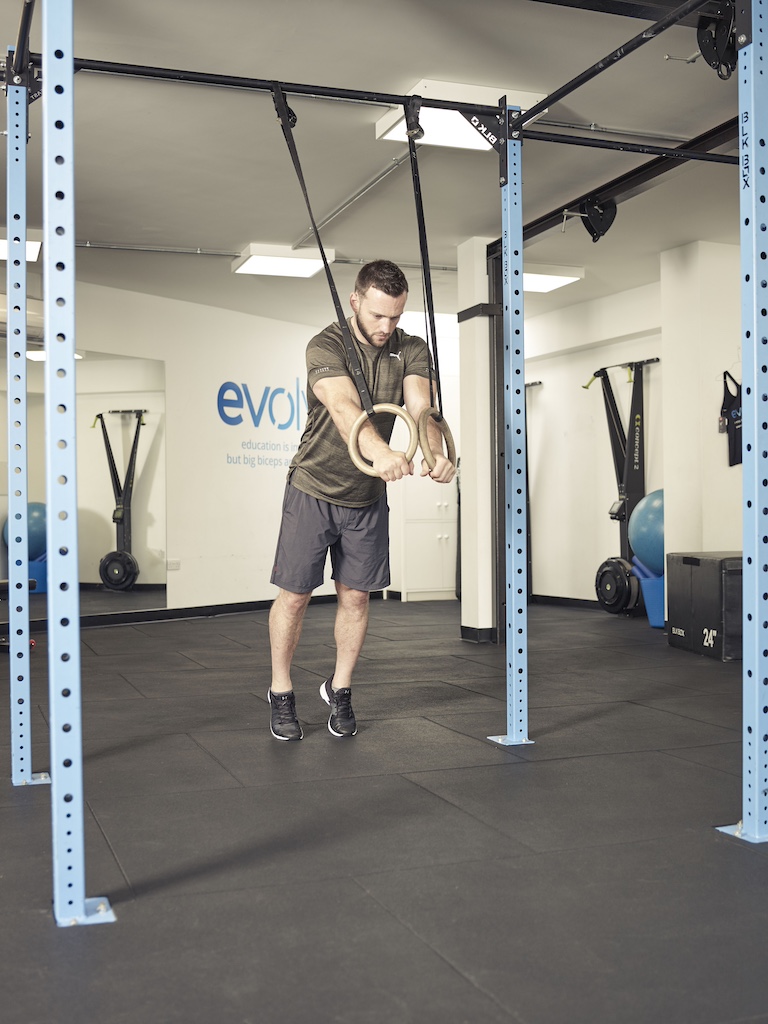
{"x": 414, "y": 131}
{"x": 288, "y": 122}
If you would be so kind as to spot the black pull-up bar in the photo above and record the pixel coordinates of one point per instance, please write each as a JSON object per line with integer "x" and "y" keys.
{"x": 181, "y": 76}
{"x": 613, "y": 58}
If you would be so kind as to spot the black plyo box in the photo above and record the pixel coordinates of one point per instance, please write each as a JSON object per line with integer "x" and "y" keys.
{"x": 704, "y": 603}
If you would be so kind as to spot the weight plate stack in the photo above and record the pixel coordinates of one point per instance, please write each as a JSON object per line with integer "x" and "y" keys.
{"x": 118, "y": 570}
{"x": 616, "y": 586}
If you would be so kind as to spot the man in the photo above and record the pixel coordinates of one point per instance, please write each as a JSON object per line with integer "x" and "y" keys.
{"x": 329, "y": 503}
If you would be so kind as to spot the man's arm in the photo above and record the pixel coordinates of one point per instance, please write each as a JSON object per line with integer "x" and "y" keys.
{"x": 416, "y": 395}
{"x": 339, "y": 396}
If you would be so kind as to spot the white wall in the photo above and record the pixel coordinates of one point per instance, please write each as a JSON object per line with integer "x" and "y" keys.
{"x": 690, "y": 320}
{"x": 701, "y": 313}
{"x": 224, "y": 481}
{"x": 572, "y": 482}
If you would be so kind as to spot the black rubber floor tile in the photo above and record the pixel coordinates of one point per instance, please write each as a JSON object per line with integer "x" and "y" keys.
{"x": 726, "y": 757}
{"x": 587, "y": 659}
{"x": 204, "y": 959}
{"x": 397, "y": 700}
{"x": 591, "y": 801}
{"x": 212, "y": 682}
{"x": 582, "y": 729}
{"x": 576, "y": 639}
{"x": 403, "y": 699}
{"x": 706, "y": 676}
{"x": 158, "y": 764}
{"x": 377, "y": 647}
{"x": 282, "y": 835}
{"x": 620, "y": 934}
{"x": 396, "y": 668}
{"x": 171, "y": 629}
{"x": 233, "y": 626}
{"x": 236, "y": 657}
{"x": 25, "y": 824}
{"x": 136, "y": 661}
{"x": 380, "y": 748}
{"x": 117, "y": 640}
{"x": 723, "y": 709}
{"x": 596, "y": 687}
{"x": 108, "y": 721}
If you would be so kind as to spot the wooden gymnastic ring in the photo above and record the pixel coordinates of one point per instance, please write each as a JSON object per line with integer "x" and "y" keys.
{"x": 445, "y": 430}
{"x": 396, "y": 410}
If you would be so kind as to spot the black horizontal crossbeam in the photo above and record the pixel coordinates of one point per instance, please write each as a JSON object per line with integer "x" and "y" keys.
{"x": 633, "y": 182}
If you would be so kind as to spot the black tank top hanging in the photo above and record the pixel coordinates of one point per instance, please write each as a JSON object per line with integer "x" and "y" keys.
{"x": 730, "y": 417}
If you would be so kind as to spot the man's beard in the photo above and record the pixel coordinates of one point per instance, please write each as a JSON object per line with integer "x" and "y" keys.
{"x": 369, "y": 337}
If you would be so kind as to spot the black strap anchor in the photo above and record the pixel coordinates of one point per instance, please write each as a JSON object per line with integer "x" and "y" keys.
{"x": 118, "y": 569}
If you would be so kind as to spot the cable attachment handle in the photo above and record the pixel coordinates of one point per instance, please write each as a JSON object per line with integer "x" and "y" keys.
{"x": 412, "y": 127}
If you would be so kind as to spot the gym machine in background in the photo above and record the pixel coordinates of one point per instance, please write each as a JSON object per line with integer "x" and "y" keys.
{"x": 617, "y": 587}
{"x": 118, "y": 569}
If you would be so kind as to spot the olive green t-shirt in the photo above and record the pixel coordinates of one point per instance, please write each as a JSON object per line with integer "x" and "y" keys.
{"x": 322, "y": 466}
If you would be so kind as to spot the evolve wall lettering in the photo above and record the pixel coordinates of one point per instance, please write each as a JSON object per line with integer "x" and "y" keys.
{"x": 266, "y": 409}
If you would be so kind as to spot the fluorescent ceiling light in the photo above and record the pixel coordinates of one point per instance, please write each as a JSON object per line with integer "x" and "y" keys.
{"x": 33, "y": 250}
{"x": 449, "y": 127}
{"x": 541, "y": 278}
{"x": 37, "y": 355}
{"x": 280, "y": 261}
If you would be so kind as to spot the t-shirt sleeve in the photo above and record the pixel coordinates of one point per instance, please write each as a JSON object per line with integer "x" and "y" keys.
{"x": 415, "y": 357}
{"x": 325, "y": 358}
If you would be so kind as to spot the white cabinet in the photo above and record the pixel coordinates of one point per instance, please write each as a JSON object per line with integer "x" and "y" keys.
{"x": 424, "y": 537}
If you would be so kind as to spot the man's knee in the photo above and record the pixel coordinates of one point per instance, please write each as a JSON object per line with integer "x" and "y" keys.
{"x": 352, "y": 598}
{"x": 293, "y": 603}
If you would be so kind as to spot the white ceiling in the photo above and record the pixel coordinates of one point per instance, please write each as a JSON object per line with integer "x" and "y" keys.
{"x": 178, "y": 166}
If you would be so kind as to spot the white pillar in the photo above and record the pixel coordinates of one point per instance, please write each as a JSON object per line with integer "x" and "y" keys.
{"x": 700, "y": 318}
{"x": 477, "y": 590}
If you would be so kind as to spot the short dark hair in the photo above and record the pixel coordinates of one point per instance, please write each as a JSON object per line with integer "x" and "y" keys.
{"x": 381, "y": 274}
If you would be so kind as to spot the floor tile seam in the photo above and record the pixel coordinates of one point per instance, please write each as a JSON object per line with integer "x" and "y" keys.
{"x": 408, "y": 777}
{"x": 687, "y": 718}
{"x": 671, "y": 752}
{"x": 127, "y": 681}
{"x": 510, "y": 1013}
{"x": 521, "y": 759}
{"x": 698, "y": 692}
{"x": 111, "y": 849}
{"x": 216, "y": 760}
{"x": 610, "y": 844}
{"x": 469, "y": 689}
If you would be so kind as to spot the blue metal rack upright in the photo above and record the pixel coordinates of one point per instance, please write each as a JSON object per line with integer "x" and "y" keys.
{"x": 70, "y": 905}
{"x": 753, "y": 147}
{"x": 17, "y": 95}
{"x": 515, "y": 475}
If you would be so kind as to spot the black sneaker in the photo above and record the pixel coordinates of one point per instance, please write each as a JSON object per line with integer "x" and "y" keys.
{"x": 283, "y": 723}
{"x": 342, "y": 718}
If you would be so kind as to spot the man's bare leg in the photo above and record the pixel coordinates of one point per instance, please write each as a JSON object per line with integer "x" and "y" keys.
{"x": 285, "y": 621}
{"x": 349, "y": 632}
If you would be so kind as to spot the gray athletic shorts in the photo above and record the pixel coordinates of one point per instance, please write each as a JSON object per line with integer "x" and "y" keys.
{"x": 358, "y": 539}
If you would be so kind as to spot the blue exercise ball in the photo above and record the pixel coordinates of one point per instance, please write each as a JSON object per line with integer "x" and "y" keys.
{"x": 646, "y": 531}
{"x": 35, "y": 530}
